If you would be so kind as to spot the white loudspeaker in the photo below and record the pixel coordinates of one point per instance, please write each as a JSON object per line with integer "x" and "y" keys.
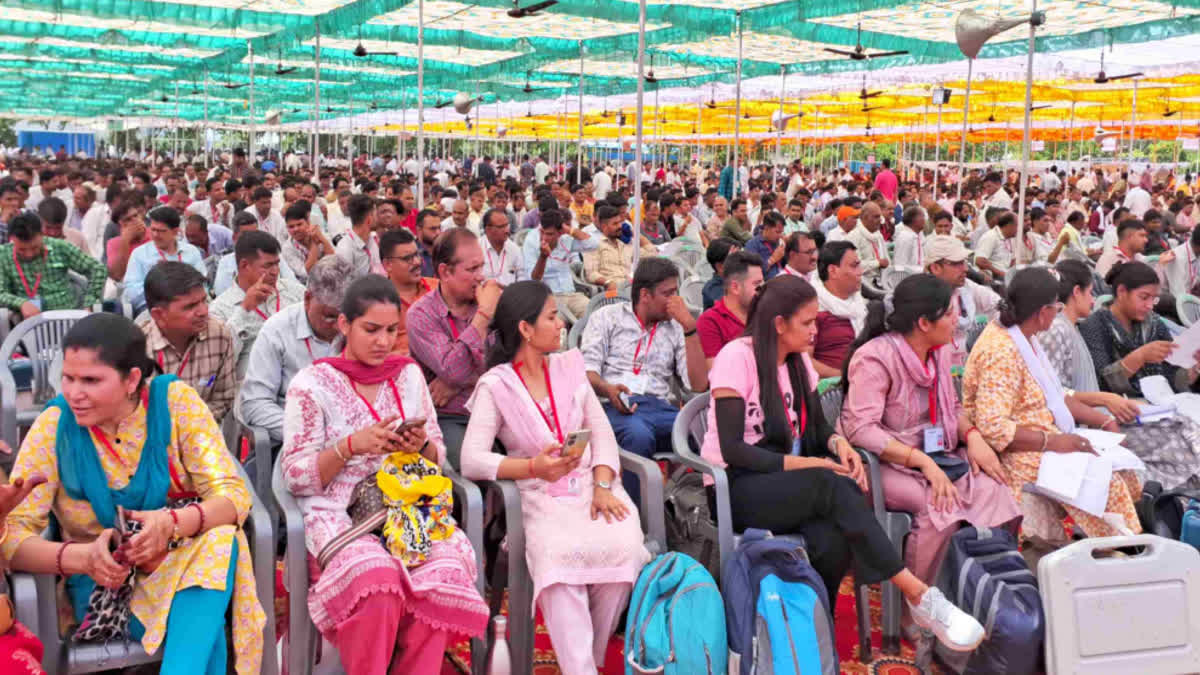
{"x": 463, "y": 103}
{"x": 780, "y": 123}
{"x": 972, "y": 29}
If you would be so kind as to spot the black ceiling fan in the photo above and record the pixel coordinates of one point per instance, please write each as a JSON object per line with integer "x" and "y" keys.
{"x": 519, "y": 12}
{"x": 361, "y": 51}
{"x": 864, "y": 94}
{"x": 649, "y": 76}
{"x": 1042, "y": 106}
{"x": 1167, "y": 112}
{"x": 860, "y": 53}
{"x": 869, "y": 109}
{"x": 1104, "y": 78}
{"x": 279, "y": 69}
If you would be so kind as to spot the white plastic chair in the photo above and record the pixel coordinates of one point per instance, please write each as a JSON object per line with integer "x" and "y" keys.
{"x": 1188, "y": 308}
{"x": 692, "y": 291}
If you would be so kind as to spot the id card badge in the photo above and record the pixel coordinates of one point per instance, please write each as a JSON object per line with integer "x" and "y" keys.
{"x": 569, "y": 486}
{"x": 37, "y": 302}
{"x": 935, "y": 440}
{"x": 638, "y": 383}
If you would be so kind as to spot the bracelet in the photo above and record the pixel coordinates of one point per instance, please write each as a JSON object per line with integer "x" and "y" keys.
{"x": 832, "y": 443}
{"x": 967, "y": 436}
{"x": 349, "y": 447}
{"x": 338, "y": 451}
{"x": 200, "y": 529}
{"x": 1110, "y": 418}
{"x": 908, "y": 457}
{"x": 484, "y": 315}
{"x": 689, "y": 333}
{"x": 531, "y": 468}
{"x": 4, "y": 533}
{"x": 59, "y": 559}
{"x": 174, "y": 519}
{"x": 1045, "y": 440}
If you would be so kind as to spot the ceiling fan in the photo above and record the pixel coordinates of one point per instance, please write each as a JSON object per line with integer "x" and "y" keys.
{"x": 1104, "y": 78}
{"x": 1167, "y": 112}
{"x": 279, "y": 69}
{"x": 361, "y": 51}
{"x": 519, "y": 12}
{"x": 859, "y": 52}
{"x": 1042, "y": 106}
{"x": 649, "y": 76}
{"x": 864, "y": 94}
{"x": 869, "y": 109}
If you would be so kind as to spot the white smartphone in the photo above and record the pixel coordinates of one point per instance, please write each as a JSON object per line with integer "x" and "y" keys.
{"x": 575, "y": 443}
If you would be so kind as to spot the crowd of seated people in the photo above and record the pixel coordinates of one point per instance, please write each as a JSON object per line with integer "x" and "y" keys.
{"x": 367, "y": 336}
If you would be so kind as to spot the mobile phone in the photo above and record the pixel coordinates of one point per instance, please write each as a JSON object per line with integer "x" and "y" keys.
{"x": 406, "y": 425}
{"x": 625, "y": 400}
{"x": 120, "y": 531}
{"x": 575, "y": 443}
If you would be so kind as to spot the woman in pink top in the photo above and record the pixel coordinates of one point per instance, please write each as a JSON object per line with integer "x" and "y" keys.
{"x": 583, "y": 539}
{"x": 790, "y": 473}
{"x": 901, "y": 405}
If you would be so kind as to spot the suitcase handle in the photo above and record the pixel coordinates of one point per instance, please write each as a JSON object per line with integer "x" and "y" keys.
{"x": 1092, "y": 544}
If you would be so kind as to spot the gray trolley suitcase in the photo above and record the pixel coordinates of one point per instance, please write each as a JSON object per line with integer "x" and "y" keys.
{"x": 1138, "y": 614}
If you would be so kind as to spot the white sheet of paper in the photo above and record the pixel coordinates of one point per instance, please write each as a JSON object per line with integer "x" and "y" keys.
{"x": 1061, "y": 474}
{"x": 1186, "y": 345}
{"x": 1157, "y": 390}
{"x": 1100, "y": 438}
{"x": 1093, "y": 494}
{"x": 1122, "y": 459}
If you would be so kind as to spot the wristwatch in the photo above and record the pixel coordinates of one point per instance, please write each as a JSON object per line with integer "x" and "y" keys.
{"x": 606, "y": 484}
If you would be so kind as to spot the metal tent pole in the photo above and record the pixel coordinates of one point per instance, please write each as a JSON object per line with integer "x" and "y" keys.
{"x": 937, "y": 152}
{"x": 962, "y": 147}
{"x": 420, "y": 104}
{"x": 579, "y": 150}
{"x": 1025, "y": 140}
{"x": 1133, "y": 124}
{"x": 641, "y": 92}
{"x": 250, "y": 49}
{"x": 207, "y": 150}
{"x": 737, "y": 120}
{"x": 1070, "y": 138}
{"x": 779, "y": 127}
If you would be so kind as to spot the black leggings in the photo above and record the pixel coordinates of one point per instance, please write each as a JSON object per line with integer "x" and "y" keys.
{"x": 828, "y": 510}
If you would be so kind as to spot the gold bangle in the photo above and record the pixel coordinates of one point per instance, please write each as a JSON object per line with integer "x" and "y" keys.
{"x": 908, "y": 457}
{"x": 337, "y": 450}
{"x": 4, "y": 533}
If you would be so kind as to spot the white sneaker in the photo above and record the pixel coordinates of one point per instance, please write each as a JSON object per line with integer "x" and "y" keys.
{"x": 953, "y": 627}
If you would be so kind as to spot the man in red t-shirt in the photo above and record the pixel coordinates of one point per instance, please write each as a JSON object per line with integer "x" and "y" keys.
{"x": 726, "y": 319}
{"x": 843, "y": 310}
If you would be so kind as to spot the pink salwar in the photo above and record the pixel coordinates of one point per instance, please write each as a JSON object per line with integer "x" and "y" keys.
{"x": 568, "y": 609}
{"x": 379, "y": 632}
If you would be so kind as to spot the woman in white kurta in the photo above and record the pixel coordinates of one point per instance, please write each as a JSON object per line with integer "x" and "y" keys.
{"x": 583, "y": 540}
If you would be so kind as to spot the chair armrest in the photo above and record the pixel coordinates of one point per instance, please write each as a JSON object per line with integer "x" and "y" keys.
{"x": 470, "y": 498}
{"x": 260, "y": 532}
{"x": 874, "y": 478}
{"x": 8, "y": 408}
{"x": 650, "y": 479}
{"x": 567, "y": 317}
{"x": 724, "y": 514}
{"x": 514, "y": 529}
{"x": 260, "y": 448}
{"x": 296, "y": 563}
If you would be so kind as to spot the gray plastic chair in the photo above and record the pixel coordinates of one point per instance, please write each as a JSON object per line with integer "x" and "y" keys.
{"x": 520, "y": 584}
{"x": 35, "y": 600}
{"x": 1188, "y": 308}
{"x": 259, "y": 442}
{"x": 42, "y": 337}
{"x": 690, "y": 425}
{"x": 302, "y": 634}
{"x": 692, "y": 291}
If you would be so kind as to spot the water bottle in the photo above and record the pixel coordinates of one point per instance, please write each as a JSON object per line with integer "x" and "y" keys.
{"x": 499, "y": 663}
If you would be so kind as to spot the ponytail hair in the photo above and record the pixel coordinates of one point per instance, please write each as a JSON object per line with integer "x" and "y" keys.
{"x": 522, "y": 301}
{"x": 1072, "y": 274}
{"x": 1132, "y": 275}
{"x": 1029, "y": 290}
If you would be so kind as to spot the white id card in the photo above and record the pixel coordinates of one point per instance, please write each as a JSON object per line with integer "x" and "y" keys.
{"x": 638, "y": 383}
{"x": 570, "y": 485}
{"x": 37, "y": 302}
{"x": 935, "y": 440}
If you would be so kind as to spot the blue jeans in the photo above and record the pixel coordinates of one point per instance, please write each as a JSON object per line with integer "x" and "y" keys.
{"x": 646, "y": 432}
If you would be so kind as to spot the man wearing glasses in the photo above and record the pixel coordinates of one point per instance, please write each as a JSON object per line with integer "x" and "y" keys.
{"x": 502, "y": 259}
{"x": 402, "y": 263}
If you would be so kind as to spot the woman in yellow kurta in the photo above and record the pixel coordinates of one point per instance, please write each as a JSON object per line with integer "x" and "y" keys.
{"x": 116, "y": 438}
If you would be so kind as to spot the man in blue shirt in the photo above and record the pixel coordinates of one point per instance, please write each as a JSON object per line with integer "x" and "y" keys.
{"x": 165, "y": 244}
{"x": 718, "y": 250}
{"x": 768, "y": 244}
{"x": 552, "y": 254}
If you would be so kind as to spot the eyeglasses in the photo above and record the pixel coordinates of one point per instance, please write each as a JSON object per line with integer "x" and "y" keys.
{"x": 411, "y": 257}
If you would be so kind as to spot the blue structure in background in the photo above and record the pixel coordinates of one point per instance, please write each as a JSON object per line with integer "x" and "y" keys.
{"x": 72, "y": 141}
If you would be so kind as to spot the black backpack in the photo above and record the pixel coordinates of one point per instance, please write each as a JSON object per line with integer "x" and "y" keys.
{"x": 690, "y": 526}
{"x": 1161, "y": 511}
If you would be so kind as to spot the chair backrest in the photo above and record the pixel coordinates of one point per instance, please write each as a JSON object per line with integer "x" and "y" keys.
{"x": 521, "y": 236}
{"x": 1102, "y": 301}
{"x": 831, "y": 402}
{"x": 79, "y": 284}
{"x": 1188, "y": 308}
{"x": 892, "y": 277}
{"x": 689, "y": 257}
{"x": 42, "y": 337}
{"x": 692, "y": 291}
{"x": 690, "y": 425}
{"x": 575, "y": 337}
{"x": 976, "y": 330}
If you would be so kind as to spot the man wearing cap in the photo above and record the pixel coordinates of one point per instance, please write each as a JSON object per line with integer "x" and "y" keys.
{"x": 847, "y": 220}
{"x": 946, "y": 259}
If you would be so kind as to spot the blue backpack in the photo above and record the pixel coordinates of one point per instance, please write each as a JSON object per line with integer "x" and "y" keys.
{"x": 676, "y": 622}
{"x": 987, "y": 578}
{"x": 1189, "y": 529}
{"x": 778, "y": 608}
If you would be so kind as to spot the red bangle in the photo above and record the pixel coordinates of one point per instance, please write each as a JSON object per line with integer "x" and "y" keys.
{"x": 174, "y": 519}
{"x": 349, "y": 447}
{"x": 200, "y": 529}
{"x": 59, "y": 559}
{"x": 967, "y": 436}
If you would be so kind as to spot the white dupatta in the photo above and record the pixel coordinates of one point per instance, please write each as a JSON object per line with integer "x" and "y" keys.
{"x": 1039, "y": 366}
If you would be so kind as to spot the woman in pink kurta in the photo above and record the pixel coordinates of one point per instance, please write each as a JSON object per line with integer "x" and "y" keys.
{"x": 583, "y": 539}
{"x": 900, "y": 401}
{"x": 382, "y": 616}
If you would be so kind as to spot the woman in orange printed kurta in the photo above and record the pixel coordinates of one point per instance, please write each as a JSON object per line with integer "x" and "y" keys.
{"x": 1004, "y": 398}
{"x": 180, "y": 595}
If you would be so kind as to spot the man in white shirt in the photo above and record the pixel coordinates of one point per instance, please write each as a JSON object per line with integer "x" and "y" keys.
{"x": 993, "y": 191}
{"x": 846, "y": 219}
{"x": 338, "y": 221}
{"x": 359, "y": 246}
{"x": 1184, "y": 268}
{"x": 909, "y": 255}
{"x": 502, "y": 259}
{"x": 601, "y": 185}
{"x": 269, "y": 220}
{"x": 872, "y": 249}
{"x": 459, "y": 216}
{"x": 1131, "y": 241}
{"x": 1050, "y": 179}
{"x": 1137, "y": 200}
{"x": 995, "y": 252}
{"x": 477, "y": 201}
{"x": 541, "y": 170}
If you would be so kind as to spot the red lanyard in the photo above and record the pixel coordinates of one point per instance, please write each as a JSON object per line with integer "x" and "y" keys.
{"x": 875, "y": 249}
{"x": 182, "y": 362}
{"x": 395, "y": 394}
{"x": 637, "y": 367}
{"x": 932, "y": 389}
{"x": 309, "y": 348}
{"x": 453, "y": 326}
{"x": 803, "y": 409}
{"x": 920, "y": 252}
{"x": 264, "y": 316}
{"x": 37, "y": 282}
{"x": 556, "y": 427}
{"x": 163, "y": 256}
